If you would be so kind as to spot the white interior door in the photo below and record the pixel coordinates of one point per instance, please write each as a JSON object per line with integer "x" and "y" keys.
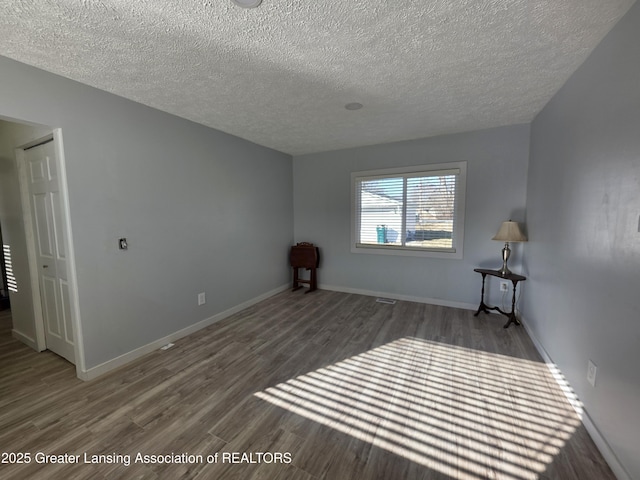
{"x": 51, "y": 247}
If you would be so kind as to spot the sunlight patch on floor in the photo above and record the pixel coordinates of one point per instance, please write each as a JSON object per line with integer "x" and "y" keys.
{"x": 466, "y": 413}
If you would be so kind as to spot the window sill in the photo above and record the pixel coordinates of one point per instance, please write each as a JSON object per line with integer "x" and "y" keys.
{"x": 407, "y": 251}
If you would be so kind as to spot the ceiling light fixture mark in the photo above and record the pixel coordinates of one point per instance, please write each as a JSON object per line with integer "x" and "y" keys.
{"x": 247, "y": 3}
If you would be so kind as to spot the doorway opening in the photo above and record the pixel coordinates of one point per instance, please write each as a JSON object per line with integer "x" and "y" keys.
{"x": 38, "y": 257}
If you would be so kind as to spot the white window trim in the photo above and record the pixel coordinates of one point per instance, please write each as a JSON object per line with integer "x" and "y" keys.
{"x": 457, "y": 250}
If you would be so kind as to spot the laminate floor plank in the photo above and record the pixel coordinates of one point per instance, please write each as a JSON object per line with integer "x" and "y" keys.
{"x": 344, "y": 386}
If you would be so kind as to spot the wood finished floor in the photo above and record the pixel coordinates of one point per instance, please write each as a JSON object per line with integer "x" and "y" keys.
{"x": 350, "y": 388}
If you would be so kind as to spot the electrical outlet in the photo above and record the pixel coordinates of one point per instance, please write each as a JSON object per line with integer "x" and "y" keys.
{"x": 202, "y": 298}
{"x": 591, "y": 373}
{"x": 504, "y": 286}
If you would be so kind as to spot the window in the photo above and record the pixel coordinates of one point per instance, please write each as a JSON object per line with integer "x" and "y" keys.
{"x": 415, "y": 211}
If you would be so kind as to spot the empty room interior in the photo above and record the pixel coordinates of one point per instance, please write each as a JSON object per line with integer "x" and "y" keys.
{"x": 461, "y": 178}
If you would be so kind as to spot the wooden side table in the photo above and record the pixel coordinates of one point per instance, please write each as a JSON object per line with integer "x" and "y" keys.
{"x": 514, "y": 281}
{"x": 305, "y": 255}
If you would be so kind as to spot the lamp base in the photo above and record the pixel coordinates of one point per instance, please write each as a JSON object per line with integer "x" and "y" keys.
{"x": 506, "y": 252}
{"x": 504, "y": 271}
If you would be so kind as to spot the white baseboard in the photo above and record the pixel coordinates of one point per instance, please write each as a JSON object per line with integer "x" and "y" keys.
{"x": 123, "y": 359}
{"x": 395, "y": 296}
{"x": 27, "y": 340}
{"x": 601, "y": 443}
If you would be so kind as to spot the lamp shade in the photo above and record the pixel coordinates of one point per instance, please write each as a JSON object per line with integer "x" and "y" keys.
{"x": 510, "y": 232}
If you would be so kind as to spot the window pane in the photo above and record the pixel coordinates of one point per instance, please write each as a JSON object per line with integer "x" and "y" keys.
{"x": 430, "y": 214}
{"x": 412, "y": 211}
{"x": 381, "y": 211}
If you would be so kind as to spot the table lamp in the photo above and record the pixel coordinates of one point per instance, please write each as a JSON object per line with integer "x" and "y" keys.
{"x": 509, "y": 232}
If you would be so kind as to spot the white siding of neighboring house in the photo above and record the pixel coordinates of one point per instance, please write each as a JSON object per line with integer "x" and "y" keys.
{"x": 379, "y": 210}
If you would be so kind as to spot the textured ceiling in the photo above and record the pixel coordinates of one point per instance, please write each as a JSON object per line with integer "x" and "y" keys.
{"x": 280, "y": 74}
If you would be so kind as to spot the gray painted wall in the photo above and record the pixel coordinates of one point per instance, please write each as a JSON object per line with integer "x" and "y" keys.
{"x": 496, "y": 191}
{"x": 583, "y": 256}
{"x": 203, "y": 211}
